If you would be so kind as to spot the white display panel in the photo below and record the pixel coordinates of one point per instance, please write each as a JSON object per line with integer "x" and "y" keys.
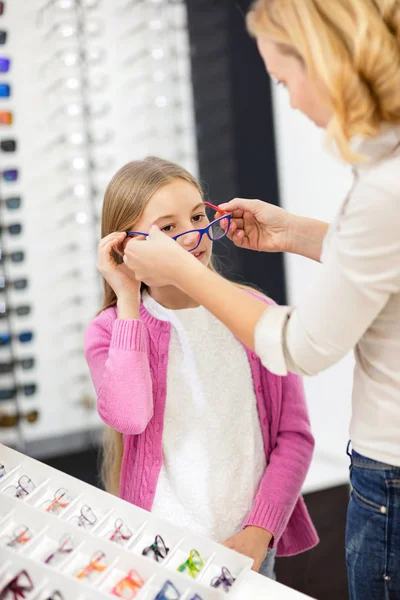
{"x": 46, "y": 530}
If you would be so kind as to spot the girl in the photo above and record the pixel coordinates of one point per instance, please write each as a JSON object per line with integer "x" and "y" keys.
{"x": 199, "y": 432}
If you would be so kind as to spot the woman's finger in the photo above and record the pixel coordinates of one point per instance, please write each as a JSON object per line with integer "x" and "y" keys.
{"x": 237, "y": 204}
{"x": 238, "y": 223}
{"x": 241, "y": 240}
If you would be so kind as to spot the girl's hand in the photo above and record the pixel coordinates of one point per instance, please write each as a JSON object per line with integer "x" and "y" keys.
{"x": 253, "y": 542}
{"x": 121, "y": 279}
{"x": 257, "y": 225}
{"x": 157, "y": 260}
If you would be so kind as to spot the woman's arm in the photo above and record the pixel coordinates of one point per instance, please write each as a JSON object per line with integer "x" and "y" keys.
{"x": 117, "y": 355}
{"x": 306, "y": 237}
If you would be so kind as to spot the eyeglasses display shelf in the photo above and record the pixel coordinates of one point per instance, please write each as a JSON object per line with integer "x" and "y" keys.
{"x": 61, "y": 539}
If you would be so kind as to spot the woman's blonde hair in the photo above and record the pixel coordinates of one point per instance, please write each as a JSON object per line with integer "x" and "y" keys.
{"x": 352, "y": 47}
{"x": 125, "y": 199}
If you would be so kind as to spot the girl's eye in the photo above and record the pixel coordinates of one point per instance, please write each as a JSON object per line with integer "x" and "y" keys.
{"x": 198, "y": 218}
{"x": 167, "y": 229}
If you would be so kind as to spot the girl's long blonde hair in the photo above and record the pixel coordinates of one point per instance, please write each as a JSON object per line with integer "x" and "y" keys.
{"x": 352, "y": 47}
{"x": 125, "y": 199}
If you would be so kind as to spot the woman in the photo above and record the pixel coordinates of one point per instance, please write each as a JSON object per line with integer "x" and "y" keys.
{"x": 340, "y": 62}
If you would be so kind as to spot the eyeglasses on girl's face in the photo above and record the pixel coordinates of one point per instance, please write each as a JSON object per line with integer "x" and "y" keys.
{"x": 216, "y": 230}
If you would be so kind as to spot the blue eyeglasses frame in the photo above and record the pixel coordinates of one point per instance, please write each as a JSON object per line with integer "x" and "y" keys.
{"x": 201, "y": 232}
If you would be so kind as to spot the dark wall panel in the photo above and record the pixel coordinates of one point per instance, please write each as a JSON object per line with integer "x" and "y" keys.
{"x": 235, "y": 130}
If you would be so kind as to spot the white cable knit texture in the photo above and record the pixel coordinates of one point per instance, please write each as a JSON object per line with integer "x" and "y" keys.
{"x": 213, "y": 452}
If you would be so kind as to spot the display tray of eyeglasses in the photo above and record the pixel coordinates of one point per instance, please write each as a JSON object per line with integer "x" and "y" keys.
{"x": 63, "y": 539}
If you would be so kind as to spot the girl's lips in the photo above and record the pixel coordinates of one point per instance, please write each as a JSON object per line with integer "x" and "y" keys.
{"x": 199, "y": 255}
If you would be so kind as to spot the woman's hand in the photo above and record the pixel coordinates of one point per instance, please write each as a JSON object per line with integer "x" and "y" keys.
{"x": 257, "y": 225}
{"x": 253, "y": 542}
{"x": 158, "y": 260}
{"x": 121, "y": 279}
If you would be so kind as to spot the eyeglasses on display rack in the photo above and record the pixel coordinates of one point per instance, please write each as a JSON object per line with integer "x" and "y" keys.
{"x": 8, "y": 145}
{"x": 121, "y": 533}
{"x": 13, "y": 229}
{"x": 5, "y": 64}
{"x": 19, "y": 311}
{"x": 3, "y": 471}
{"x": 10, "y": 175}
{"x": 5, "y": 90}
{"x": 7, "y": 421}
{"x": 65, "y": 546}
{"x": 18, "y": 587}
{"x": 61, "y": 500}
{"x": 12, "y": 202}
{"x": 79, "y": 163}
{"x": 3, "y": 37}
{"x": 85, "y": 519}
{"x": 24, "y": 487}
{"x": 6, "y": 117}
{"x": 73, "y": 110}
{"x": 225, "y": 580}
{"x": 24, "y": 337}
{"x": 56, "y": 595}
{"x": 192, "y": 565}
{"x": 69, "y": 29}
{"x": 80, "y": 138}
{"x": 96, "y": 565}
{"x": 79, "y": 190}
{"x": 168, "y": 592}
{"x": 16, "y": 284}
{"x": 129, "y": 586}
{"x": 24, "y": 363}
{"x": 157, "y": 550}
{"x": 216, "y": 230}
{"x": 69, "y": 5}
{"x": 27, "y": 389}
{"x": 20, "y": 536}
{"x": 2, "y": 8}
{"x": 69, "y": 57}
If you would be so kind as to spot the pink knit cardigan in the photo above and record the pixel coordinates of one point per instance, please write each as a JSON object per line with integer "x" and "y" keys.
{"x": 128, "y": 363}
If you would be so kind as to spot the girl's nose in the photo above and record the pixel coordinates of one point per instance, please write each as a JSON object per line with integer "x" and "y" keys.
{"x": 189, "y": 240}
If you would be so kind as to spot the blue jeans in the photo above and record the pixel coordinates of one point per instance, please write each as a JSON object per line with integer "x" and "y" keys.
{"x": 268, "y": 565}
{"x": 373, "y": 530}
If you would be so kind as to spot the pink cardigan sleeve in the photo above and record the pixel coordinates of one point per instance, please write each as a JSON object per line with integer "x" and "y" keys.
{"x": 288, "y": 464}
{"x": 117, "y": 355}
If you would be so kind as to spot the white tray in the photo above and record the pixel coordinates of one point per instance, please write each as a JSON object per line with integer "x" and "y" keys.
{"x": 47, "y": 529}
